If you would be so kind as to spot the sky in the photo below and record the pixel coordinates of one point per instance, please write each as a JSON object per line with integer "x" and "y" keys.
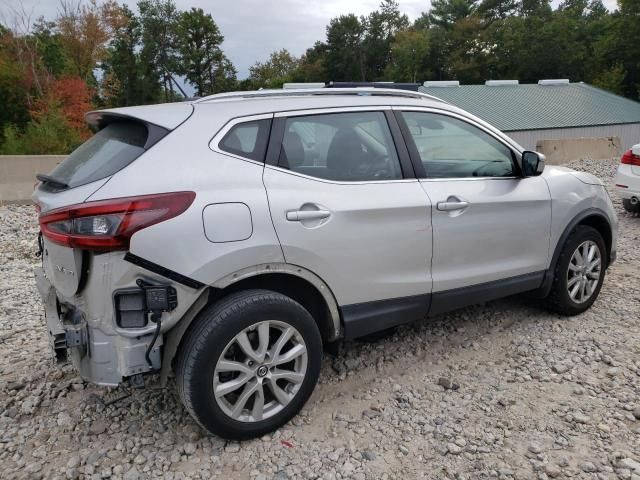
{"x": 253, "y": 29}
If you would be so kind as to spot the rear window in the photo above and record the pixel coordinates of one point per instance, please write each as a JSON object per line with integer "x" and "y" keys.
{"x": 108, "y": 151}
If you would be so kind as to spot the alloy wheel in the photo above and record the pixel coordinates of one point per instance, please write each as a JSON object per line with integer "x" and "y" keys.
{"x": 584, "y": 271}
{"x": 260, "y": 371}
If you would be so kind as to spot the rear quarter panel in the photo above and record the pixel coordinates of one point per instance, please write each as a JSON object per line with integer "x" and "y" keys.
{"x": 184, "y": 161}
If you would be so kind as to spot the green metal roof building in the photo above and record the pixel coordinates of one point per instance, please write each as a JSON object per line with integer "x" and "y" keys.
{"x": 551, "y": 109}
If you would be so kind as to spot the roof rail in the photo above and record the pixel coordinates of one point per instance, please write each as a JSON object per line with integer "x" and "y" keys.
{"x": 368, "y": 91}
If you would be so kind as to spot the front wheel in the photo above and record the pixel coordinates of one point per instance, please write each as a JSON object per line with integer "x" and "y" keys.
{"x": 579, "y": 272}
{"x": 249, "y": 364}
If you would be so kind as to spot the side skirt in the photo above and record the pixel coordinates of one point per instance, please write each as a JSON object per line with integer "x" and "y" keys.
{"x": 462, "y": 297}
{"x": 364, "y": 318}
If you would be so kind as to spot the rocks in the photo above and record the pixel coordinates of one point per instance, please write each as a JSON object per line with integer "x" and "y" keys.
{"x": 588, "y": 467}
{"x": 189, "y": 448}
{"x": 543, "y": 396}
{"x": 552, "y": 471}
{"x": 535, "y": 448}
{"x": 561, "y": 368}
{"x": 448, "y": 384}
{"x": 580, "y": 417}
{"x": 232, "y": 447}
{"x": 454, "y": 449}
{"x": 630, "y": 464}
{"x": 98, "y": 427}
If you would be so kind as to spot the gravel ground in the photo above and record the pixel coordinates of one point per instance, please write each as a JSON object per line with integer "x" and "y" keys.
{"x": 502, "y": 390}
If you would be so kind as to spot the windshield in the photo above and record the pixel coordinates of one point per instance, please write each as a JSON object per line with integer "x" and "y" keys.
{"x": 108, "y": 151}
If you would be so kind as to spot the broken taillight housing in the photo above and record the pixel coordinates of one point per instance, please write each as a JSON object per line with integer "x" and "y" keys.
{"x": 106, "y": 225}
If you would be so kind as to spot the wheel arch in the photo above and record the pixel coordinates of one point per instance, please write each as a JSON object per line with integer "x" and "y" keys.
{"x": 592, "y": 217}
{"x": 294, "y": 281}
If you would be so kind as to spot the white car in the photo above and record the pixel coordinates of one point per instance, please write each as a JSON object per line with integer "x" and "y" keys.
{"x": 628, "y": 179}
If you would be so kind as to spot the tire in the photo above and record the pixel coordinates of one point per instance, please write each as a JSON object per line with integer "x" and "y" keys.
{"x": 560, "y": 298}
{"x": 214, "y": 351}
{"x": 626, "y": 204}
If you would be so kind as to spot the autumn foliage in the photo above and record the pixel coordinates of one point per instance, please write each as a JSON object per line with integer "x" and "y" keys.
{"x": 71, "y": 97}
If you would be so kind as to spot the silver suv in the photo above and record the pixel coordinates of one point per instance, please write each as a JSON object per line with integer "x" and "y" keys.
{"x": 229, "y": 239}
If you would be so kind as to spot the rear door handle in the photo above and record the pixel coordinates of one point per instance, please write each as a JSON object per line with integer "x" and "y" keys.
{"x": 450, "y": 206}
{"x": 302, "y": 215}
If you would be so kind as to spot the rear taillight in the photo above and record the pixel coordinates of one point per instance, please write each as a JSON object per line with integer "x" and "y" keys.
{"x": 109, "y": 224}
{"x": 628, "y": 158}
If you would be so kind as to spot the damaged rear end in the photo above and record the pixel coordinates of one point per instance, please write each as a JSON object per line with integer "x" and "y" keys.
{"x": 104, "y": 308}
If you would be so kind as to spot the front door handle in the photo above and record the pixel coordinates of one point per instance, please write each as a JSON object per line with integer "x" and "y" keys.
{"x": 303, "y": 215}
{"x": 452, "y": 206}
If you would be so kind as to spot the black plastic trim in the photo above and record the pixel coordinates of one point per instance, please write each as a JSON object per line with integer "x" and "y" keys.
{"x": 165, "y": 272}
{"x": 275, "y": 141}
{"x": 401, "y": 146}
{"x": 448, "y": 300}
{"x": 364, "y": 318}
{"x": 414, "y": 155}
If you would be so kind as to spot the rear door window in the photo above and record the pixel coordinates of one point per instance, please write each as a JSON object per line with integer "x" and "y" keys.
{"x": 348, "y": 146}
{"x": 108, "y": 151}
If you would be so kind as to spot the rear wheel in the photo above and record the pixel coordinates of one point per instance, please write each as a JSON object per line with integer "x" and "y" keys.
{"x": 630, "y": 207}
{"x": 249, "y": 363}
{"x": 579, "y": 272}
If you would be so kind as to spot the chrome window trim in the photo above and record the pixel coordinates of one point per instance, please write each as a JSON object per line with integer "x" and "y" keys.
{"x": 214, "y": 143}
{"x": 335, "y": 182}
{"x": 467, "y": 179}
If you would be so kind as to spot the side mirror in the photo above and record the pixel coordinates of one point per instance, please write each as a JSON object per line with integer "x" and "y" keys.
{"x": 532, "y": 163}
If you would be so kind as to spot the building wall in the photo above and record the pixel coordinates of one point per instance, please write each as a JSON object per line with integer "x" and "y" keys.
{"x": 629, "y": 134}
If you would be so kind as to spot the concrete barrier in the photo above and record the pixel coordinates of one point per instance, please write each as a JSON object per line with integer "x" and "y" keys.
{"x": 18, "y": 174}
{"x": 564, "y": 150}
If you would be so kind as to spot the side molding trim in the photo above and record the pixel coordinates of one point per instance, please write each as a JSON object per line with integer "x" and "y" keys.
{"x": 364, "y": 318}
{"x": 461, "y": 297}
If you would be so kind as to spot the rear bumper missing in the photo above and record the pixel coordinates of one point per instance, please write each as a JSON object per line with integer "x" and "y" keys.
{"x": 99, "y": 357}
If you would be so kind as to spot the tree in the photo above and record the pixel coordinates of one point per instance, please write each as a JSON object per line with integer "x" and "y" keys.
{"x": 381, "y": 27}
{"x": 225, "y": 77}
{"x": 279, "y": 69}
{"x": 445, "y": 13}
{"x": 408, "y": 52}
{"x": 84, "y": 30}
{"x": 312, "y": 64}
{"x": 159, "y": 54}
{"x": 123, "y": 81}
{"x": 53, "y": 54}
{"x": 201, "y": 59}
{"x": 344, "y": 58}
{"x": 13, "y": 85}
